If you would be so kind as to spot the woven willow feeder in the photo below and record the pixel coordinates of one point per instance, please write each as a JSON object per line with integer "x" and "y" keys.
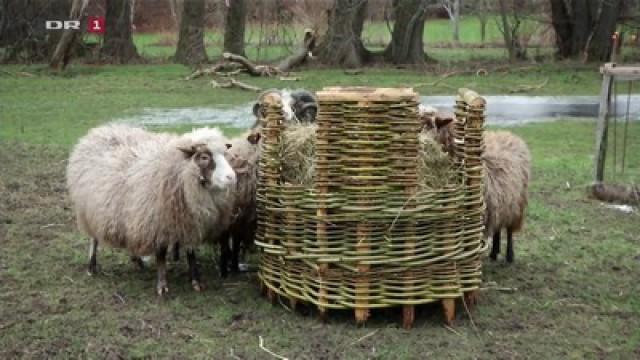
{"x": 365, "y": 234}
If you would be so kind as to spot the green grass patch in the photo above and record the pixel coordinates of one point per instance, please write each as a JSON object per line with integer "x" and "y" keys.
{"x": 574, "y": 281}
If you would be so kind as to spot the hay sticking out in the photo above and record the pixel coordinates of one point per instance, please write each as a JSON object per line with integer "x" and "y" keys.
{"x": 434, "y": 165}
{"x": 297, "y": 153}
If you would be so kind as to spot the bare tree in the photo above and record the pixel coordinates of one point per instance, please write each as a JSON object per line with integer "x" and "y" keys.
{"x": 175, "y": 7}
{"x": 453, "y": 10}
{"x": 234, "y": 25}
{"x": 406, "y": 45}
{"x": 62, "y": 53}
{"x": 482, "y": 10}
{"x": 190, "y": 49}
{"x": 23, "y": 36}
{"x": 509, "y": 24}
{"x": 118, "y": 44}
{"x": 584, "y": 27}
{"x": 342, "y": 44}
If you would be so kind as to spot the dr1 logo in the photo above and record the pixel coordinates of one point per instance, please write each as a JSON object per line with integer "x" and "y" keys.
{"x": 95, "y": 24}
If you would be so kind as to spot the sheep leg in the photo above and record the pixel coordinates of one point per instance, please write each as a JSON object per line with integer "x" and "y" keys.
{"x": 509, "y": 245}
{"x": 193, "y": 270}
{"x": 137, "y": 261}
{"x": 224, "y": 254}
{"x": 176, "y": 252}
{"x": 238, "y": 238}
{"x": 495, "y": 246}
{"x": 161, "y": 264}
{"x": 93, "y": 254}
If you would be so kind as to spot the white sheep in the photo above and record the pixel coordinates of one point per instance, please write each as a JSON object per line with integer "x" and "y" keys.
{"x": 144, "y": 192}
{"x": 507, "y": 171}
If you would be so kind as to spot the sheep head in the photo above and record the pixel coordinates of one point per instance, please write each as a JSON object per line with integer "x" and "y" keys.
{"x": 213, "y": 170}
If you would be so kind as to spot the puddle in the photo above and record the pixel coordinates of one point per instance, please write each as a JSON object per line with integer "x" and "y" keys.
{"x": 516, "y": 110}
{"x": 501, "y": 110}
{"x": 239, "y": 116}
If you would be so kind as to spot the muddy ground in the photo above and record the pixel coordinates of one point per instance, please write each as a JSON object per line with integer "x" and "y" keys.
{"x": 572, "y": 293}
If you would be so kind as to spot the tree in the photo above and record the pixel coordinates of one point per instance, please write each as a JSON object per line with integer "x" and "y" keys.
{"x": 62, "y": 53}
{"x": 584, "y": 27}
{"x": 481, "y": 9}
{"x": 234, "y": 26}
{"x": 190, "y": 49}
{"x": 118, "y": 44}
{"x": 453, "y": 10}
{"x": 342, "y": 44}
{"x": 509, "y": 25}
{"x": 23, "y": 36}
{"x": 406, "y": 45}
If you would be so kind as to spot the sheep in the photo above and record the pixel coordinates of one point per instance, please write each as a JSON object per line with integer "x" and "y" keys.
{"x": 144, "y": 192}
{"x": 507, "y": 170}
{"x": 243, "y": 157}
{"x": 298, "y": 106}
{"x": 238, "y": 218}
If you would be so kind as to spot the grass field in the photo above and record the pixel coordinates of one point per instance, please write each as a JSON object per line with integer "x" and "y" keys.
{"x": 58, "y": 109}
{"x": 572, "y": 293}
{"x": 437, "y": 33}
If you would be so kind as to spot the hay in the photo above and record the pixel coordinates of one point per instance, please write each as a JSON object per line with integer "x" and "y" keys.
{"x": 297, "y": 153}
{"x": 435, "y": 169}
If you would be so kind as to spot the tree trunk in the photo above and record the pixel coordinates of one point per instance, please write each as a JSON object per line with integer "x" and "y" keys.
{"x": 510, "y": 31}
{"x": 600, "y": 45}
{"x": 175, "y": 7}
{"x": 69, "y": 38}
{"x": 456, "y": 20}
{"x": 234, "y": 27}
{"x": 584, "y": 18}
{"x": 22, "y": 32}
{"x": 342, "y": 44}
{"x": 585, "y": 27}
{"x": 118, "y": 44}
{"x": 190, "y": 49}
{"x": 563, "y": 27}
{"x": 483, "y": 30}
{"x": 406, "y": 45}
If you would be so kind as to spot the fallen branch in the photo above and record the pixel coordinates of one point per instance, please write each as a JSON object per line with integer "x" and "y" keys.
{"x": 616, "y": 193}
{"x": 527, "y": 88}
{"x": 269, "y": 351}
{"x": 235, "y": 83}
{"x": 364, "y": 337}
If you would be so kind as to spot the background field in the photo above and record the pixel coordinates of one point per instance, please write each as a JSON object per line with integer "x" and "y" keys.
{"x": 572, "y": 293}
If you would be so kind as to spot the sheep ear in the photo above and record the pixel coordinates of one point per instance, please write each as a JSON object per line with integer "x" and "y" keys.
{"x": 188, "y": 151}
{"x": 440, "y": 122}
{"x": 228, "y": 146}
{"x": 253, "y": 138}
{"x": 256, "y": 109}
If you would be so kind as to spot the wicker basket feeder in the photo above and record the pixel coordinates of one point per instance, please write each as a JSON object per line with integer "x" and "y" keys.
{"x": 365, "y": 234}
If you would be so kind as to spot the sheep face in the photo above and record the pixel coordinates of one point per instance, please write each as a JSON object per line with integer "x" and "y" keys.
{"x": 214, "y": 172}
{"x": 297, "y": 106}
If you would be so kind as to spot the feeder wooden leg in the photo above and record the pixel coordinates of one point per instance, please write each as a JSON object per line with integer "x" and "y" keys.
{"x": 361, "y": 315}
{"x": 449, "y": 309}
{"x": 293, "y": 302}
{"x": 408, "y": 316}
{"x": 323, "y": 313}
{"x": 471, "y": 298}
{"x": 271, "y": 295}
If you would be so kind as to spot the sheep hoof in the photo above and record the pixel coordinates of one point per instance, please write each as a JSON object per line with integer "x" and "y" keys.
{"x": 162, "y": 289}
{"x": 197, "y": 286}
{"x": 92, "y": 270}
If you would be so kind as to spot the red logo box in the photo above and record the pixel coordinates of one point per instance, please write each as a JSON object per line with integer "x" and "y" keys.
{"x": 95, "y": 24}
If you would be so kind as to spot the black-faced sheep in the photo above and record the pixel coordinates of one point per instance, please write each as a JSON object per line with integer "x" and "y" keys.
{"x": 299, "y": 106}
{"x": 144, "y": 192}
{"x": 507, "y": 171}
{"x": 243, "y": 157}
